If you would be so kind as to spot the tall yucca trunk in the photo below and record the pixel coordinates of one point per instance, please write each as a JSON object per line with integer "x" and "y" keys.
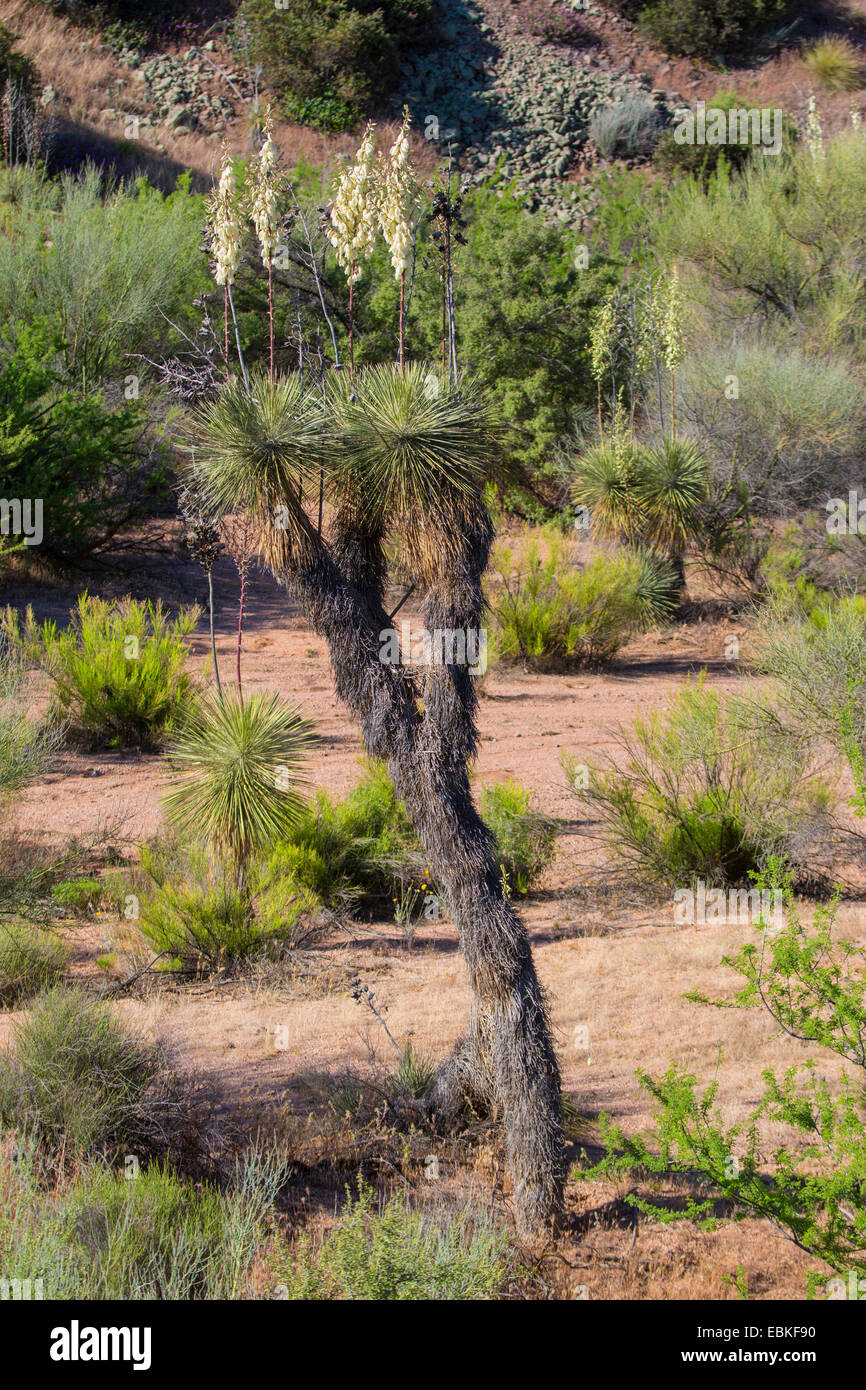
{"x": 506, "y": 1063}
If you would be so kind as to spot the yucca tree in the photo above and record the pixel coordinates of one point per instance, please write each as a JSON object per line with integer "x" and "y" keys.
{"x": 405, "y": 453}
{"x": 239, "y": 773}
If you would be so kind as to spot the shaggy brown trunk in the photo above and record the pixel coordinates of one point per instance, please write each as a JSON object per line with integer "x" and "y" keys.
{"x": 506, "y": 1064}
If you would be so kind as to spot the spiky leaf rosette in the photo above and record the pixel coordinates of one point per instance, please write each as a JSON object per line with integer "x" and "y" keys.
{"x": 607, "y": 477}
{"x": 658, "y": 588}
{"x": 239, "y": 772}
{"x": 672, "y": 489}
{"x": 413, "y": 451}
{"x": 259, "y": 449}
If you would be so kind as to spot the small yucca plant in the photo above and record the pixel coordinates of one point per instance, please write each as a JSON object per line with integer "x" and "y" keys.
{"x": 836, "y": 64}
{"x": 239, "y": 764}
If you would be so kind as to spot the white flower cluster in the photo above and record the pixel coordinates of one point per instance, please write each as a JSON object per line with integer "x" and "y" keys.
{"x": 263, "y": 203}
{"x": 672, "y": 327}
{"x": 354, "y": 211}
{"x": 225, "y": 226}
{"x": 399, "y": 201}
{"x": 814, "y": 133}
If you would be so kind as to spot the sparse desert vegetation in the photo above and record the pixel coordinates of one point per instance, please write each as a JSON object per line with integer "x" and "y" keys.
{"x": 432, "y": 652}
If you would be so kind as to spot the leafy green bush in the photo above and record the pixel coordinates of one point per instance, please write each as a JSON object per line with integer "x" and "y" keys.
{"x": 329, "y": 61}
{"x": 109, "y": 269}
{"x": 158, "y": 1237}
{"x": 26, "y": 744}
{"x": 526, "y": 840}
{"x": 550, "y": 613}
{"x": 16, "y": 67}
{"x": 400, "y": 1254}
{"x": 694, "y": 798}
{"x": 78, "y": 1080}
{"x": 119, "y": 670}
{"x": 77, "y": 895}
{"x": 204, "y": 921}
{"x": 701, "y": 161}
{"x": 793, "y": 431}
{"x": 349, "y": 852}
{"x": 31, "y": 960}
{"x": 74, "y": 452}
{"x": 707, "y": 28}
{"x": 626, "y": 130}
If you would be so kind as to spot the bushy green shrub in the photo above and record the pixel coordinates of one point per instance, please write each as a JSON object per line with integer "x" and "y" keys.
{"x": 110, "y": 269}
{"x": 31, "y": 960}
{"x": 692, "y": 797}
{"x": 548, "y": 612}
{"x": 349, "y": 852}
{"x": 399, "y": 1253}
{"x": 626, "y": 130}
{"x": 525, "y": 839}
{"x": 119, "y": 670}
{"x": 330, "y": 61}
{"x": 707, "y": 28}
{"x": 701, "y": 160}
{"x": 794, "y": 429}
{"x": 77, "y": 895}
{"x": 77, "y": 454}
{"x": 158, "y": 1237}
{"x": 26, "y": 743}
{"x": 204, "y": 921}
{"x": 78, "y": 1080}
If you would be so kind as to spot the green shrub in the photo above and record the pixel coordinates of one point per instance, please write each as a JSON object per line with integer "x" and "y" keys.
{"x": 78, "y": 1080}
{"x": 109, "y": 270}
{"x": 330, "y": 61}
{"x": 26, "y": 744}
{"x": 694, "y": 798}
{"x": 835, "y": 63}
{"x": 708, "y": 28}
{"x": 80, "y": 456}
{"x": 701, "y": 161}
{"x": 16, "y": 68}
{"x": 626, "y": 130}
{"x": 550, "y": 613}
{"x": 156, "y": 1237}
{"x": 794, "y": 430}
{"x": 31, "y": 960}
{"x": 119, "y": 670}
{"x": 349, "y": 852}
{"x": 400, "y": 1254}
{"x": 77, "y": 895}
{"x": 526, "y": 840}
{"x": 204, "y": 921}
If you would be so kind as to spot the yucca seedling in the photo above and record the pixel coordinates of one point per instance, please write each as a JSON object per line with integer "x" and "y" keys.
{"x": 239, "y": 770}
